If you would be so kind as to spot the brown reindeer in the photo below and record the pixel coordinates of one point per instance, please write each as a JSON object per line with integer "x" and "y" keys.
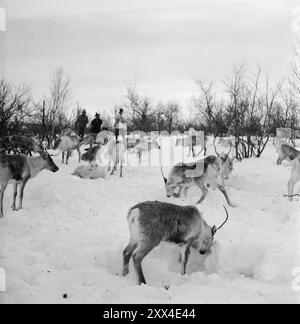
{"x": 18, "y": 169}
{"x": 67, "y": 144}
{"x": 150, "y": 223}
{"x": 202, "y": 173}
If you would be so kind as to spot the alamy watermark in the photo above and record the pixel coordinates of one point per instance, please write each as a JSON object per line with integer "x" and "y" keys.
{"x": 173, "y": 151}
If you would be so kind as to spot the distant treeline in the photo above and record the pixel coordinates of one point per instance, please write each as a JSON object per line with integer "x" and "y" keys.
{"x": 249, "y": 108}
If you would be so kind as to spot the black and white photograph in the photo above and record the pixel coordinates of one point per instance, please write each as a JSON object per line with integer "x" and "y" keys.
{"x": 149, "y": 154}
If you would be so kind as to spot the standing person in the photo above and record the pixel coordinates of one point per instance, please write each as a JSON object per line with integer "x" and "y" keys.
{"x": 81, "y": 123}
{"x": 96, "y": 124}
{"x": 119, "y": 124}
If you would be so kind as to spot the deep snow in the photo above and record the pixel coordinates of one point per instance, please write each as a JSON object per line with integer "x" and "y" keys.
{"x": 69, "y": 238}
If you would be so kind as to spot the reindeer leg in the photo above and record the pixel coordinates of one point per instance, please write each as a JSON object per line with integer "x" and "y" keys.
{"x": 121, "y": 169}
{"x": 291, "y": 185}
{"x": 184, "y": 258}
{"x": 204, "y": 192}
{"x": 113, "y": 170}
{"x": 127, "y": 254}
{"x": 22, "y": 186}
{"x": 15, "y": 192}
{"x": 79, "y": 153}
{"x": 67, "y": 158}
{"x": 144, "y": 248}
{"x": 62, "y": 157}
{"x": 186, "y": 253}
{"x": 115, "y": 163}
{"x": 2, "y": 190}
{"x": 222, "y": 189}
{"x": 109, "y": 163}
{"x": 292, "y": 182}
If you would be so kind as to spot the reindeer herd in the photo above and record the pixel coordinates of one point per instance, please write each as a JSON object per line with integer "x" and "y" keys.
{"x": 150, "y": 222}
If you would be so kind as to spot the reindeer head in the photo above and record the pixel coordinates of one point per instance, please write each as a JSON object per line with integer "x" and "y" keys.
{"x": 206, "y": 239}
{"x": 48, "y": 162}
{"x": 227, "y": 166}
{"x": 170, "y": 186}
{"x": 154, "y": 144}
{"x": 226, "y": 161}
{"x": 57, "y": 141}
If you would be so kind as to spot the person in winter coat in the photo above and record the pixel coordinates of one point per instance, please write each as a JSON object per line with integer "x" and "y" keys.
{"x": 81, "y": 124}
{"x": 96, "y": 124}
{"x": 120, "y": 126}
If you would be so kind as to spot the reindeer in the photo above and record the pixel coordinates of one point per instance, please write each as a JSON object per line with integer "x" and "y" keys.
{"x": 116, "y": 150}
{"x": 4, "y": 145}
{"x": 69, "y": 132}
{"x": 150, "y": 223}
{"x": 67, "y": 144}
{"x": 23, "y": 144}
{"x": 202, "y": 173}
{"x": 191, "y": 142}
{"x": 91, "y": 155}
{"x": 89, "y": 139}
{"x": 288, "y": 153}
{"x": 225, "y": 160}
{"x": 286, "y": 134}
{"x": 19, "y": 169}
{"x": 143, "y": 145}
{"x": 292, "y": 155}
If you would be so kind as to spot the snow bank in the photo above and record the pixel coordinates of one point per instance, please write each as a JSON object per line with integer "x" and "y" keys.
{"x": 69, "y": 238}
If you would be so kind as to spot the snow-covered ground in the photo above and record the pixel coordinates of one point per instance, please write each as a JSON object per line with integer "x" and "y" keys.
{"x": 69, "y": 238}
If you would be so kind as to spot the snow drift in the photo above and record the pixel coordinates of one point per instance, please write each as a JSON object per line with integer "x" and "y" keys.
{"x": 69, "y": 238}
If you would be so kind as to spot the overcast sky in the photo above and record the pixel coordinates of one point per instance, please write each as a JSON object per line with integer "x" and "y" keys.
{"x": 163, "y": 45}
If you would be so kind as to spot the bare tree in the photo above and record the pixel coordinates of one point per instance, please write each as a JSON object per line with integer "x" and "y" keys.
{"x": 245, "y": 111}
{"x": 140, "y": 110}
{"x": 15, "y": 107}
{"x": 159, "y": 117}
{"x": 208, "y": 111}
{"x": 170, "y": 113}
{"x": 59, "y": 99}
{"x": 294, "y": 71}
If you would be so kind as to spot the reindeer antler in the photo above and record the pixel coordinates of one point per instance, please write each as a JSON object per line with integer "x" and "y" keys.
{"x": 161, "y": 170}
{"x": 226, "y": 156}
{"x": 227, "y": 216}
{"x": 214, "y": 142}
